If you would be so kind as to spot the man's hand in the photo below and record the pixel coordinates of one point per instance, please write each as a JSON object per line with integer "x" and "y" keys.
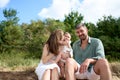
{"x": 84, "y": 66}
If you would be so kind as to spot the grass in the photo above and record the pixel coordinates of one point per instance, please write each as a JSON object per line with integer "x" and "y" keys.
{"x": 23, "y": 61}
{"x": 115, "y": 67}
{"x": 17, "y": 60}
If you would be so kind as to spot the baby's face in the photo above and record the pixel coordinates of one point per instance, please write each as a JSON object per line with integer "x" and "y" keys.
{"x": 65, "y": 40}
{"x": 67, "y": 37}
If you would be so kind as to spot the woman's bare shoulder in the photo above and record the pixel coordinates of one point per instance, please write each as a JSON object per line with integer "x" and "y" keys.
{"x": 46, "y": 46}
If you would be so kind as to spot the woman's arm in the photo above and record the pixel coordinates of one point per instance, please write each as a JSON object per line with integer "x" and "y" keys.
{"x": 45, "y": 54}
{"x": 58, "y": 57}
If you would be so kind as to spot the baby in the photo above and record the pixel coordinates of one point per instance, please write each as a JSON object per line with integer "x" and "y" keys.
{"x": 67, "y": 53}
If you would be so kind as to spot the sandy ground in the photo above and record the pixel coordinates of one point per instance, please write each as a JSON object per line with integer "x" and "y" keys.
{"x": 25, "y": 75}
{"x": 30, "y": 75}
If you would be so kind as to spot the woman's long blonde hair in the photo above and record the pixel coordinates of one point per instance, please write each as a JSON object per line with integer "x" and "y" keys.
{"x": 53, "y": 41}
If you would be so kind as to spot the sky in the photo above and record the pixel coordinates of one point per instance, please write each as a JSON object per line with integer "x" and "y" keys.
{"x": 92, "y": 10}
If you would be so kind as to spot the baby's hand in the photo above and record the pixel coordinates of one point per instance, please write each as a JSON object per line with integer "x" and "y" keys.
{"x": 51, "y": 61}
{"x": 65, "y": 56}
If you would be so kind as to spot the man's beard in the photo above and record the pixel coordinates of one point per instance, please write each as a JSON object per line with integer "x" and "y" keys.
{"x": 83, "y": 37}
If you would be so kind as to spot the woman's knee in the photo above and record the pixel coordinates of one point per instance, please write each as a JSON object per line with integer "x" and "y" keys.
{"x": 47, "y": 71}
{"x": 56, "y": 69}
{"x": 46, "y": 74}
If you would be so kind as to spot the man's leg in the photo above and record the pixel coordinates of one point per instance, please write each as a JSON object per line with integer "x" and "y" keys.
{"x": 54, "y": 74}
{"x": 70, "y": 69}
{"x": 46, "y": 75}
{"x": 102, "y": 68}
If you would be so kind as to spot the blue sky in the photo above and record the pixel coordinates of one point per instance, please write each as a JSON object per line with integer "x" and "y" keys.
{"x": 92, "y": 10}
{"x": 27, "y": 9}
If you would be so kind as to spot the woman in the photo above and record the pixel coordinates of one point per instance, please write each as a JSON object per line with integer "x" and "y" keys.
{"x": 48, "y": 68}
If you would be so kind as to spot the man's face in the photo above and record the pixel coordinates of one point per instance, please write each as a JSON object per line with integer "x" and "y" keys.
{"x": 82, "y": 33}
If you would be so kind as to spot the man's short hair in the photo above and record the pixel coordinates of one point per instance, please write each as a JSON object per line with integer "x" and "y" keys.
{"x": 80, "y": 25}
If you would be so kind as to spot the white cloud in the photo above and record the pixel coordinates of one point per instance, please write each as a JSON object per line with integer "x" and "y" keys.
{"x": 59, "y": 8}
{"x": 3, "y": 3}
{"x": 91, "y": 9}
{"x": 95, "y": 9}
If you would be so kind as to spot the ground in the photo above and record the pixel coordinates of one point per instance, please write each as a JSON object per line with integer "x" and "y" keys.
{"x": 24, "y": 75}
{"x": 30, "y": 75}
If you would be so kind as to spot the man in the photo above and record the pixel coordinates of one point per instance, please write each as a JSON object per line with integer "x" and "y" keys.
{"x": 90, "y": 62}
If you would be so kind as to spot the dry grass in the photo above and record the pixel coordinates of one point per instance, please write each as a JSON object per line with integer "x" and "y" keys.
{"x": 115, "y": 68}
{"x": 23, "y": 73}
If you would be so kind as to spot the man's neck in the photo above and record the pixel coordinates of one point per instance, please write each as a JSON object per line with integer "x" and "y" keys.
{"x": 85, "y": 41}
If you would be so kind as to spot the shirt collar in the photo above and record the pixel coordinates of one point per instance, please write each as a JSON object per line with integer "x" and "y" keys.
{"x": 89, "y": 40}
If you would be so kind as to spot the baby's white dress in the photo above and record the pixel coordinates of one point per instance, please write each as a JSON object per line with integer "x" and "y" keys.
{"x": 42, "y": 67}
{"x": 65, "y": 49}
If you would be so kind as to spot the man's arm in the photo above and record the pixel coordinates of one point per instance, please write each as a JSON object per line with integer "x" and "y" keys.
{"x": 99, "y": 50}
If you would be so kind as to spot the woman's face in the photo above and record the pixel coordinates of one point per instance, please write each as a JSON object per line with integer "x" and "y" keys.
{"x": 63, "y": 41}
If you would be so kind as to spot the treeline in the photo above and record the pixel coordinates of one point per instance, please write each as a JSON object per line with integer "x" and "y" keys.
{"x": 31, "y": 37}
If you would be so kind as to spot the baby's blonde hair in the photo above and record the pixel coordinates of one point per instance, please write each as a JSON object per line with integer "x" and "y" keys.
{"x": 67, "y": 34}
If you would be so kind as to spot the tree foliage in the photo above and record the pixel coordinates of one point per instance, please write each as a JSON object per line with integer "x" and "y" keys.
{"x": 108, "y": 26}
{"x": 31, "y": 37}
{"x": 10, "y": 32}
{"x": 109, "y": 33}
{"x": 11, "y": 18}
{"x": 71, "y": 20}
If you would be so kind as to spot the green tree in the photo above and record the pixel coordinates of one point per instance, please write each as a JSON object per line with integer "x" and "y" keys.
{"x": 118, "y": 28}
{"x": 11, "y": 17}
{"x": 71, "y": 20}
{"x": 109, "y": 32}
{"x": 52, "y": 24}
{"x": 9, "y": 29}
{"x": 35, "y": 35}
{"x": 92, "y": 29}
{"x": 107, "y": 26}
{"x": 12, "y": 35}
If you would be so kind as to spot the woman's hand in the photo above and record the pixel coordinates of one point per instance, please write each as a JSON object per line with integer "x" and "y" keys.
{"x": 58, "y": 58}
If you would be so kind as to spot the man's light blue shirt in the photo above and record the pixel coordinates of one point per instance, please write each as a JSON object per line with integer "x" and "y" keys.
{"x": 94, "y": 50}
